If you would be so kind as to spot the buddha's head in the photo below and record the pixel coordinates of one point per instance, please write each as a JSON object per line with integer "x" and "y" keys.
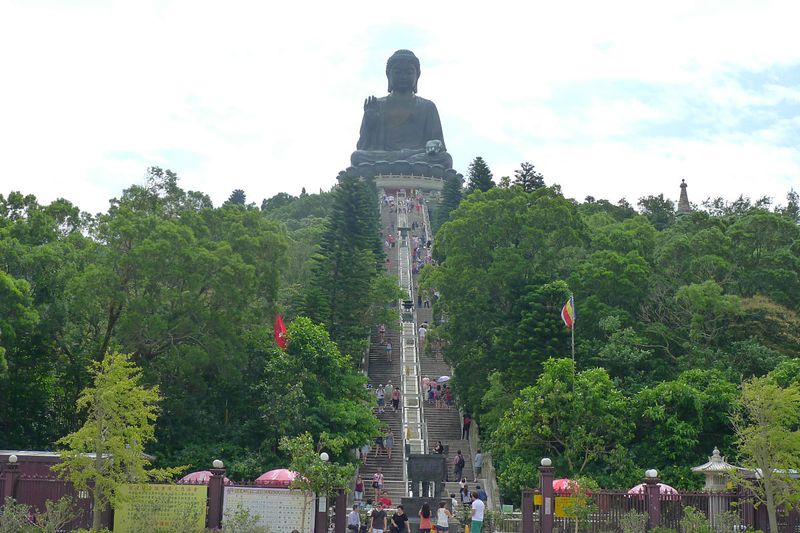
{"x": 402, "y": 70}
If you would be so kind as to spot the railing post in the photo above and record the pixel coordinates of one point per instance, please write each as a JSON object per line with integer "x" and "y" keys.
{"x": 11, "y": 471}
{"x": 548, "y": 502}
{"x": 527, "y": 511}
{"x": 216, "y": 491}
{"x": 747, "y": 509}
{"x": 321, "y": 515}
{"x": 340, "y": 523}
{"x": 653, "y": 498}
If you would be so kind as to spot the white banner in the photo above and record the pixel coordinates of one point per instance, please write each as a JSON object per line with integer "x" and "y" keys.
{"x": 281, "y": 510}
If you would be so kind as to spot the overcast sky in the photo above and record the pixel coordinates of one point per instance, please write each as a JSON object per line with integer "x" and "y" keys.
{"x": 609, "y": 99}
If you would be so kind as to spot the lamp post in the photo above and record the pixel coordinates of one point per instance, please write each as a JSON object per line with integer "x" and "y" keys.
{"x": 653, "y": 497}
{"x": 321, "y": 523}
{"x": 546, "y": 471}
{"x": 11, "y": 477}
{"x": 216, "y": 493}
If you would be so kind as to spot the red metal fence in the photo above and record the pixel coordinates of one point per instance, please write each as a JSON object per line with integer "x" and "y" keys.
{"x": 607, "y": 510}
{"x": 30, "y": 482}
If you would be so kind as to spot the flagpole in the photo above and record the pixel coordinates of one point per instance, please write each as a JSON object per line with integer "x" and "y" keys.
{"x": 573, "y": 341}
{"x": 572, "y": 329}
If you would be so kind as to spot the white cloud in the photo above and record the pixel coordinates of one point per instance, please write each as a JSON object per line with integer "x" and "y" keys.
{"x": 267, "y": 97}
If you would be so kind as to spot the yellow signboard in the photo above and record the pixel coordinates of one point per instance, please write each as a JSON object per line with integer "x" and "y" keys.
{"x": 562, "y": 504}
{"x": 160, "y": 508}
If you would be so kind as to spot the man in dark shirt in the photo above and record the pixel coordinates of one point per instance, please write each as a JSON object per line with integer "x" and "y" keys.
{"x": 378, "y": 521}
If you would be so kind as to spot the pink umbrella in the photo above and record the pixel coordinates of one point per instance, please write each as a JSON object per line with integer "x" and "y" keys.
{"x": 563, "y": 486}
{"x": 665, "y": 491}
{"x": 201, "y": 478}
{"x": 280, "y": 477}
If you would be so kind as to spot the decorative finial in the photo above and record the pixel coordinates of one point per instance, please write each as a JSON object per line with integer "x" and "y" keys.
{"x": 715, "y": 456}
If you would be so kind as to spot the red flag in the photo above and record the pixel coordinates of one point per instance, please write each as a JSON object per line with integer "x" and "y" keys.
{"x": 280, "y": 331}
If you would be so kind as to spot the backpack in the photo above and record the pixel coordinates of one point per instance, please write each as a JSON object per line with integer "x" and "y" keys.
{"x": 460, "y": 461}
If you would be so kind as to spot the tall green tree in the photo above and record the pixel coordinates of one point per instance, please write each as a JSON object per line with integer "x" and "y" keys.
{"x": 479, "y": 176}
{"x": 682, "y": 419}
{"x": 350, "y": 259}
{"x": 768, "y": 442}
{"x": 41, "y": 249}
{"x": 312, "y": 386}
{"x": 316, "y": 475}
{"x": 451, "y": 197}
{"x": 659, "y": 210}
{"x": 108, "y": 450}
{"x": 578, "y": 419}
{"x": 237, "y": 197}
{"x": 490, "y": 279}
{"x": 528, "y": 177}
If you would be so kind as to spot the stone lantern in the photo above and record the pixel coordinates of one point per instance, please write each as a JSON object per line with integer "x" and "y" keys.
{"x": 716, "y": 471}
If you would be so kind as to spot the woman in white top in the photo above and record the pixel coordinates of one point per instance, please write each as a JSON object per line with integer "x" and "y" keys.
{"x": 442, "y": 518}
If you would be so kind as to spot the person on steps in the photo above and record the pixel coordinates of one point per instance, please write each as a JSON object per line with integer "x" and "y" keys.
{"x": 477, "y": 513}
{"x": 399, "y": 521}
{"x": 467, "y": 424}
{"x": 477, "y": 463}
{"x": 458, "y": 465}
{"x": 377, "y": 483}
{"x": 443, "y": 516}
{"x": 353, "y": 520}
{"x": 425, "y": 518}
{"x": 388, "y": 443}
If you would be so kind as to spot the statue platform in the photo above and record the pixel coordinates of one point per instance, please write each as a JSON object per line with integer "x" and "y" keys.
{"x": 402, "y": 175}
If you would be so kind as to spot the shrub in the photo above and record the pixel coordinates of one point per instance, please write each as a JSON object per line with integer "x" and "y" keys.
{"x": 633, "y": 522}
{"x": 694, "y": 521}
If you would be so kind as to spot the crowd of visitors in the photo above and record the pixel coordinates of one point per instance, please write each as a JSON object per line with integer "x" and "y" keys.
{"x": 439, "y": 395}
{"x": 379, "y": 521}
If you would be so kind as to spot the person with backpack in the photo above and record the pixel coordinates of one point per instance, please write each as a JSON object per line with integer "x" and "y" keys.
{"x": 458, "y": 464}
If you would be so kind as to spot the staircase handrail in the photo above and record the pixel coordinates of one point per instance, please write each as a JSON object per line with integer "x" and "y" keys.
{"x": 488, "y": 472}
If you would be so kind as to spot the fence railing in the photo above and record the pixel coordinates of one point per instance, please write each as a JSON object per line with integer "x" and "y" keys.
{"x": 608, "y": 511}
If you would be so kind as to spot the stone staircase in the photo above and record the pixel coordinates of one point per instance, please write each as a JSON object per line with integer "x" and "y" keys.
{"x": 381, "y": 372}
{"x": 444, "y": 424}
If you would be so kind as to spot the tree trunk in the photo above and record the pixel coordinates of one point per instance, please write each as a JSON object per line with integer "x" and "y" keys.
{"x": 771, "y": 511}
{"x": 97, "y": 492}
{"x": 97, "y": 512}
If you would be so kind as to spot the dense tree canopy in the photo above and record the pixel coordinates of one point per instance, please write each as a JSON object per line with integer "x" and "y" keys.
{"x": 190, "y": 291}
{"x": 673, "y": 314}
{"x": 676, "y": 311}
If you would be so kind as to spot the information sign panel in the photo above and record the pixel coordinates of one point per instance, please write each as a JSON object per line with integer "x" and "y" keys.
{"x": 279, "y": 509}
{"x": 160, "y": 508}
{"x": 562, "y": 504}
